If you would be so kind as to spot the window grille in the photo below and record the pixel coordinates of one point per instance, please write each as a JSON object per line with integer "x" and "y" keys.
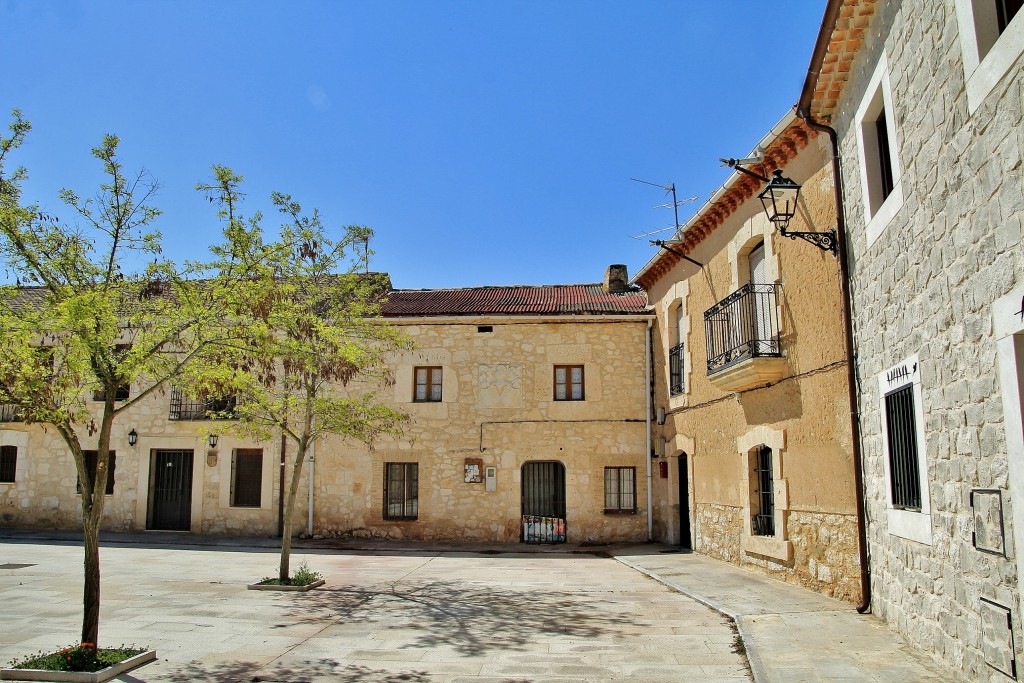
{"x": 401, "y": 490}
{"x": 8, "y": 463}
{"x": 184, "y": 408}
{"x": 568, "y": 382}
{"x": 9, "y": 413}
{"x": 428, "y": 385}
{"x": 675, "y": 370}
{"x": 246, "y": 477}
{"x": 763, "y": 523}
{"x": 743, "y": 325}
{"x": 620, "y": 489}
{"x": 901, "y": 432}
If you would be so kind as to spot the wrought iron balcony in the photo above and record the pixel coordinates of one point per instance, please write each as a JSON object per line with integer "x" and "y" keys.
{"x": 9, "y": 413}
{"x": 675, "y": 370}
{"x": 183, "y": 408}
{"x": 742, "y": 327}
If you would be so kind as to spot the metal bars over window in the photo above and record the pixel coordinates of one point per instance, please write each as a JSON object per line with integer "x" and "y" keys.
{"x": 763, "y": 522}
{"x": 401, "y": 490}
{"x": 184, "y": 408}
{"x": 569, "y": 383}
{"x": 901, "y": 432}
{"x": 9, "y": 413}
{"x": 428, "y": 385}
{"x": 620, "y": 489}
{"x": 743, "y": 325}
{"x": 8, "y": 463}
{"x": 246, "y": 477}
{"x": 675, "y": 370}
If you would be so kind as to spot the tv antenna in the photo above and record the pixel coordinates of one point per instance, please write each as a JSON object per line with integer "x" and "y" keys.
{"x": 675, "y": 204}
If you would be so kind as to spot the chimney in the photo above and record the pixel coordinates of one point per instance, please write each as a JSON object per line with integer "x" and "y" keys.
{"x": 616, "y": 279}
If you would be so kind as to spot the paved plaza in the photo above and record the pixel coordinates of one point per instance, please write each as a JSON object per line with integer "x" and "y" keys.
{"x": 381, "y": 616}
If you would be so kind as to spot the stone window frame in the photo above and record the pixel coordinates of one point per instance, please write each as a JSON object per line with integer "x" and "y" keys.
{"x": 914, "y": 525}
{"x": 755, "y": 230}
{"x": 678, "y": 294}
{"x": 10, "y": 437}
{"x": 878, "y": 211}
{"x": 777, "y": 547}
{"x": 987, "y": 55}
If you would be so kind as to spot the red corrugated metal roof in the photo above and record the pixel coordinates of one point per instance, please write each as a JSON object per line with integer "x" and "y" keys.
{"x": 513, "y": 300}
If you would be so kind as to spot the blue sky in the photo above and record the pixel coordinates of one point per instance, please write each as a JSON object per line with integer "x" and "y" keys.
{"x": 485, "y": 142}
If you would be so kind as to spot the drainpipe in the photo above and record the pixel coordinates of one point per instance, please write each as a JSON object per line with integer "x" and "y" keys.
{"x": 647, "y": 441}
{"x": 851, "y": 370}
{"x": 280, "y": 492}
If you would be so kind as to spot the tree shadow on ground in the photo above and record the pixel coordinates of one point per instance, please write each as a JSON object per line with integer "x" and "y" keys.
{"x": 472, "y": 620}
{"x": 305, "y": 671}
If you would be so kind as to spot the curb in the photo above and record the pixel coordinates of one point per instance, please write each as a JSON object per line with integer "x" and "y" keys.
{"x": 757, "y": 669}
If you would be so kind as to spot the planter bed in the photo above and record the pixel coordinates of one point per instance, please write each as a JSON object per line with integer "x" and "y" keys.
{"x": 277, "y": 587}
{"x": 79, "y": 676}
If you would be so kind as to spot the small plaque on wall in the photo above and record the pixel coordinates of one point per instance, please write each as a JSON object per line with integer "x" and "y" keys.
{"x": 474, "y": 470}
{"x": 988, "y": 536}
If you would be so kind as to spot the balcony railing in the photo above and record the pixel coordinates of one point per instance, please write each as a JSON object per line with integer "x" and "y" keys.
{"x": 675, "y": 370}
{"x": 9, "y": 413}
{"x": 183, "y": 408}
{"x": 743, "y": 325}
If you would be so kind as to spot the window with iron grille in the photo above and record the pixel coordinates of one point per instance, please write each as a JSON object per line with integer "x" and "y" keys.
{"x": 428, "y": 385}
{"x": 246, "y": 477}
{"x": 9, "y": 413}
{"x": 569, "y": 383}
{"x": 90, "y": 467}
{"x": 675, "y": 370}
{"x": 8, "y": 463}
{"x": 763, "y": 521}
{"x": 901, "y": 434}
{"x": 620, "y": 489}
{"x": 401, "y": 490}
{"x": 184, "y": 408}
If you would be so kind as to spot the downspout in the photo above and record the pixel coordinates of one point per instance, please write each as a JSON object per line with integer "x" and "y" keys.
{"x": 280, "y": 492}
{"x": 803, "y": 109}
{"x": 851, "y": 369}
{"x": 647, "y": 446}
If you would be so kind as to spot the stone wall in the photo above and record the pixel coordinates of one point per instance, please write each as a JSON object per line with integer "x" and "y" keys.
{"x": 925, "y": 288}
{"x": 497, "y": 408}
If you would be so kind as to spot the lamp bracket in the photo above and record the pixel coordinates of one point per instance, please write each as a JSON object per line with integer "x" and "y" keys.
{"x": 826, "y": 241}
{"x": 735, "y": 163}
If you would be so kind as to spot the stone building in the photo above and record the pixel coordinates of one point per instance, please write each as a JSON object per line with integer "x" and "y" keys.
{"x": 925, "y": 97}
{"x": 751, "y": 380}
{"x": 529, "y": 422}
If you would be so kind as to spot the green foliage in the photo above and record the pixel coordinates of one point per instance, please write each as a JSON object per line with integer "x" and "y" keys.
{"x": 303, "y": 576}
{"x": 84, "y": 657}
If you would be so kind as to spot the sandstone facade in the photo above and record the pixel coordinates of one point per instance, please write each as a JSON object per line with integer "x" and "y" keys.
{"x": 793, "y": 402}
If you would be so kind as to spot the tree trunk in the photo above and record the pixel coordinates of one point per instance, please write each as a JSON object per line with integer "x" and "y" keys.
{"x": 293, "y": 488}
{"x": 91, "y": 593}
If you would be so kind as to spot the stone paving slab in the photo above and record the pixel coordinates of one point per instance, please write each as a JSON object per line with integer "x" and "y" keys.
{"x": 791, "y": 635}
{"x": 381, "y": 616}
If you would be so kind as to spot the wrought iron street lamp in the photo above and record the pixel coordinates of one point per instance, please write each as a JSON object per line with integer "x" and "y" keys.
{"x": 133, "y": 437}
{"x": 212, "y": 440}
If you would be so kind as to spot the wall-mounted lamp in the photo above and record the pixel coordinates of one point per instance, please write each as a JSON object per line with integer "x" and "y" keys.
{"x": 661, "y": 416}
{"x": 212, "y": 440}
{"x": 779, "y": 201}
{"x": 659, "y": 447}
{"x": 133, "y": 437}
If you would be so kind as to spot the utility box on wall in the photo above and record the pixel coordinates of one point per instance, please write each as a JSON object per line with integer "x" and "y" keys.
{"x": 490, "y": 478}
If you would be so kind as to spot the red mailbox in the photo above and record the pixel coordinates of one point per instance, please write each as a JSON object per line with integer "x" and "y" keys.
{"x": 663, "y": 469}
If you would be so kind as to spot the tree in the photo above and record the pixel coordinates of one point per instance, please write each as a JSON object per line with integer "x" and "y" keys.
{"x": 96, "y": 308}
{"x": 315, "y": 349}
